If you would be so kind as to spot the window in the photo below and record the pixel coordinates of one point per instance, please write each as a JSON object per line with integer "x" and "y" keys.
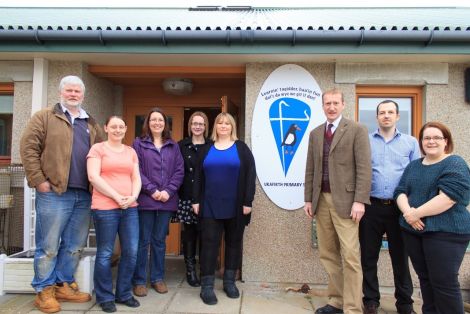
{"x": 409, "y": 101}
{"x": 6, "y": 122}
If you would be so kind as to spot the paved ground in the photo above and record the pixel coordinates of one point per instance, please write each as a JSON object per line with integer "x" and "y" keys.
{"x": 262, "y": 298}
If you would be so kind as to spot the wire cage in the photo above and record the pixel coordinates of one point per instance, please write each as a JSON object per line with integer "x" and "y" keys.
{"x": 11, "y": 208}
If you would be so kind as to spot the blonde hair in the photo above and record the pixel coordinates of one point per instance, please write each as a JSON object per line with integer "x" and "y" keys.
{"x": 206, "y": 122}
{"x": 221, "y": 116}
{"x": 333, "y": 91}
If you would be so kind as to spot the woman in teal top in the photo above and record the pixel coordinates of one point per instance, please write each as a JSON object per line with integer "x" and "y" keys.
{"x": 433, "y": 194}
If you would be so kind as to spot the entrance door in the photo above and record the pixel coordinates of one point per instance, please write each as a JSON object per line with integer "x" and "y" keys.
{"x": 135, "y": 117}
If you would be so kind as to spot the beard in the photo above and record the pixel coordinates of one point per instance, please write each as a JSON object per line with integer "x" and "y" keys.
{"x": 70, "y": 103}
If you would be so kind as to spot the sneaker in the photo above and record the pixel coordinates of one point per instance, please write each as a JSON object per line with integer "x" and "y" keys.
{"x": 140, "y": 290}
{"x": 46, "y": 302}
{"x": 67, "y": 294}
{"x": 160, "y": 287}
{"x": 108, "y": 307}
{"x": 132, "y": 302}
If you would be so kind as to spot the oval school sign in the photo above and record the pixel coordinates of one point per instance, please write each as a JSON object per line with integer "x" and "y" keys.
{"x": 288, "y": 107}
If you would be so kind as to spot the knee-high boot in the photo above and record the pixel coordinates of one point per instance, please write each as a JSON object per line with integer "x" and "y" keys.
{"x": 189, "y": 251}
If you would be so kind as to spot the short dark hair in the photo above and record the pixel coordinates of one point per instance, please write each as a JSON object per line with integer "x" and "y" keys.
{"x": 386, "y": 102}
{"x": 166, "y": 135}
{"x": 445, "y": 132}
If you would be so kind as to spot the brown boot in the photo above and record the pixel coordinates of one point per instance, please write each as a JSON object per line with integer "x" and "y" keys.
{"x": 70, "y": 293}
{"x": 46, "y": 302}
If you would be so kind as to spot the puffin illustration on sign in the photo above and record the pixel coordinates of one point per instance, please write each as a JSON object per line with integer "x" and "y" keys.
{"x": 288, "y": 107}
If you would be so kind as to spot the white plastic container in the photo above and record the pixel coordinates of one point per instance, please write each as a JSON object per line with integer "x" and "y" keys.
{"x": 17, "y": 272}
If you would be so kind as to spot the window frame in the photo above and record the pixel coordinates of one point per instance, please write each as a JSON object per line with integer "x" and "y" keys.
{"x": 387, "y": 91}
{"x": 6, "y": 89}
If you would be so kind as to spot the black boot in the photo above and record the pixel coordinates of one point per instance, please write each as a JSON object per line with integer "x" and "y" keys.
{"x": 189, "y": 251}
{"x": 191, "y": 276}
{"x": 207, "y": 290}
{"x": 229, "y": 284}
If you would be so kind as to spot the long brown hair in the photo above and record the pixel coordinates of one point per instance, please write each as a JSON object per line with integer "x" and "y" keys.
{"x": 166, "y": 134}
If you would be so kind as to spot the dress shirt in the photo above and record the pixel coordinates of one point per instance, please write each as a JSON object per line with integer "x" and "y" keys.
{"x": 389, "y": 160}
{"x": 335, "y": 124}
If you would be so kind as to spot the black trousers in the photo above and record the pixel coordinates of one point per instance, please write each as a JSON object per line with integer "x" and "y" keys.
{"x": 211, "y": 234}
{"x": 378, "y": 220}
{"x": 436, "y": 258}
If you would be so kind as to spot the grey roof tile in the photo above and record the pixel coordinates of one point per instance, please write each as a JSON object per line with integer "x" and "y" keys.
{"x": 222, "y": 18}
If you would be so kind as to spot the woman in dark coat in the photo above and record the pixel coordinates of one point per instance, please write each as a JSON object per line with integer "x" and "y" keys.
{"x": 198, "y": 125}
{"x": 223, "y": 194}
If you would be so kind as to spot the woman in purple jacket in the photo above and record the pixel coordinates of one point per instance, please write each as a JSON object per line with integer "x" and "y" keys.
{"x": 162, "y": 171}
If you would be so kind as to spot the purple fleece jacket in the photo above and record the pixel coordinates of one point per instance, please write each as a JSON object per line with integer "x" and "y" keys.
{"x": 159, "y": 170}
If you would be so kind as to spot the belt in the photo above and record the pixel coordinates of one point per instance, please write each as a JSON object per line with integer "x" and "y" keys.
{"x": 382, "y": 201}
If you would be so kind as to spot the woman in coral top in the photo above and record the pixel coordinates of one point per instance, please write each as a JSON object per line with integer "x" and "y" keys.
{"x": 113, "y": 170}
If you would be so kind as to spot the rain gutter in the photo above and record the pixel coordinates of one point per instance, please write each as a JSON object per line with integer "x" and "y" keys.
{"x": 239, "y": 37}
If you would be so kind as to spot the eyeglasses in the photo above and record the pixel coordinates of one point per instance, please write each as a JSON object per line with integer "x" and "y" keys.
{"x": 434, "y": 138}
{"x": 198, "y": 124}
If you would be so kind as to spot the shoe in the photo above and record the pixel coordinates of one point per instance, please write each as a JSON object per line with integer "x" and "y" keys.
{"x": 371, "y": 308}
{"x": 46, "y": 302}
{"x": 132, "y": 302}
{"x": 108, "y": 307}
{"x": 230, "y": 288}
{"x": 329, "y": 309}
{"x": 160, "y": 287}
{"x": 140, "y": 290}
{"x": 66, "y": 293}
{"x": 207, "y": 290}
{"x": 411, "y": 311}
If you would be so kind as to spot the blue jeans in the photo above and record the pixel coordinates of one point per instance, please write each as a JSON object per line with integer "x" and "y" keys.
{"x": 62, "y": 223}
{"x": 154, "y": 226}
{"x": 109, "y": 223}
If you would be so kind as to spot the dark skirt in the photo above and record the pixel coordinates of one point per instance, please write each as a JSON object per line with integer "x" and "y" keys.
{"x": 185, "y": 213}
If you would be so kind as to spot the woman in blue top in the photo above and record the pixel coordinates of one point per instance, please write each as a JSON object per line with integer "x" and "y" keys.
{"x": 433, "y": 194}
{"x": 223, "y": 194}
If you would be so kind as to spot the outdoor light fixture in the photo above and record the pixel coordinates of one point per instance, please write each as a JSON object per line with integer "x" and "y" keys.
{"x": 177, "y": 86}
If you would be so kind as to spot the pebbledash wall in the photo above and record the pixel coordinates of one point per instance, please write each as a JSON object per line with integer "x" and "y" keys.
{"x": 277, "y": 244}
{"x": 101, "y": 98}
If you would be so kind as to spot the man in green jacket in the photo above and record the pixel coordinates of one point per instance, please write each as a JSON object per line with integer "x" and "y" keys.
{"x": 53, "y": 149}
